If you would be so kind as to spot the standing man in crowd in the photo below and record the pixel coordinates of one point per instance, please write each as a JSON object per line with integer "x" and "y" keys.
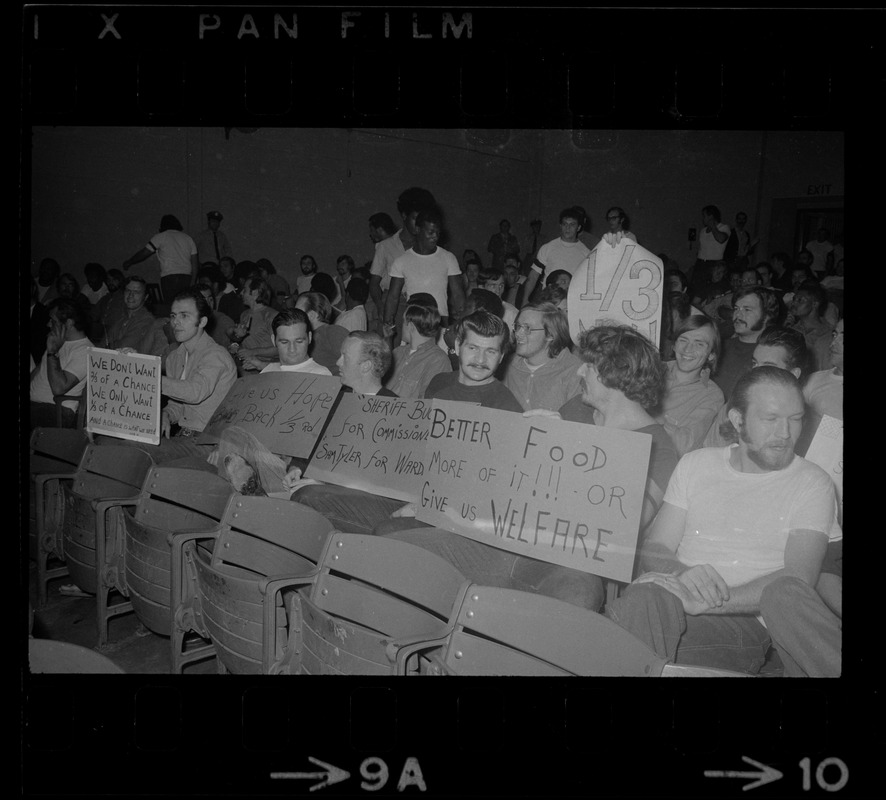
{"x": 409, "y": 204}
{"x": 177, "y": 254}
{"x": 711, "y": 247}
{"x": 807, "y": 307}
{"x": 566, "y": 252}
{"x": 502, "y": 244}
{"x": 741, "y": 535}
{"x": 213, "y": 244}
{"x": 425, "y": 267}
{"x": 821, "y": 248}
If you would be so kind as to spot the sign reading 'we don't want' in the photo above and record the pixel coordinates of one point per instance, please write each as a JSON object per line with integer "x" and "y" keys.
{"x": 562, "y": 492}
{"x": 123, "y": 395}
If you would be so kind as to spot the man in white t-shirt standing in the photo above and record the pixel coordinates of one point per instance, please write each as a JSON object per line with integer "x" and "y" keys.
{"x": 566, "y": 252}
{"x": 425, "y": 268}
{"x": 733, "y": 557}
{"x": 177, "y": 254}
{"x": 820, "y": 247}
{"x": 711, "y": 246}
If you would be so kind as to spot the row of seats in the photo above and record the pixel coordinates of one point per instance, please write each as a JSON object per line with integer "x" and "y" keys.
{"x": 267, "y": 586}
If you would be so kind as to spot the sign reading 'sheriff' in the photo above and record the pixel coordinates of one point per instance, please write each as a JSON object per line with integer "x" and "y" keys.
{"x": 563, "y": 492}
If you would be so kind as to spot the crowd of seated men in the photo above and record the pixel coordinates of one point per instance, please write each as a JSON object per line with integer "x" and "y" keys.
{"x": 750, "y": 361}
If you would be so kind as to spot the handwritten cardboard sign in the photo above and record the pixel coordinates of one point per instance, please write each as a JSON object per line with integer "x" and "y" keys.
{"x": 375, "y": 444}
{"x": 285, "y": 411}
{"x": 617, "y": 285}
{"x": 562, "y": 492}
{"x": 123, "y": 395}
{"x": 826, "y": 450}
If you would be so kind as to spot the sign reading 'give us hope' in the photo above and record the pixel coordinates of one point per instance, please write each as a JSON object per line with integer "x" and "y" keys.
{"x": 620, "y": 284}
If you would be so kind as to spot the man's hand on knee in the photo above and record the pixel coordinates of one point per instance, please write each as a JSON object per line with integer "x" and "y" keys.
{"x": 705, "y": 584}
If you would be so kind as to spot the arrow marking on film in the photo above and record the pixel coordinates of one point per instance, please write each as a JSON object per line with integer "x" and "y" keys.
{"x": 330, "y": 774}
{"x": 766, "y": 775}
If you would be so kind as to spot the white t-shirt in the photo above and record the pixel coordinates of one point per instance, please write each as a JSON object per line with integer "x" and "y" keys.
{"x": 709, "y": 249}
{"x": 738, "y": 522}
{"x": 558, "y": 254}
{"x": 427, "y": 274}
{"x": 353, "y": 320}
{"x": 819, "y": 252}
{"x": 94, "y": 296}
{"x": 73, "y": 358}
{"x": 387, "y": 251}
{"x": 823, "y": 392}
{"x": 174, "y": 250}
{"x": 306, "y": 366}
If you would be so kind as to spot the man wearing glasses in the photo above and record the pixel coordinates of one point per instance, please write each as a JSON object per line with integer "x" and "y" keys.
{"x": 543, "y": 372}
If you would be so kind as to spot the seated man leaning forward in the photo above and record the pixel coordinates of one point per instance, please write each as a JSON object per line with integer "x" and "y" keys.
{"x": 198, "y": 374}
{"x": 733, "y": 557}
{"x": 621, "y": 377}
{"x": 481, "y": 339}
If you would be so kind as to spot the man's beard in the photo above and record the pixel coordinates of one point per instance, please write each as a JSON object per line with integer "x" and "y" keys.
{"x": 757, "y": 454}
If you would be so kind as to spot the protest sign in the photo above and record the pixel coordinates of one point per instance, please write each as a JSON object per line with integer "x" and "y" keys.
{"x": 617, "y": 285}
{"x": 375, "y": 444}
{"x": 285, "y": 411}
{"x": 826, "y": 450}
{"x": 123, "y": 395}
{"x": 563, "y": 492}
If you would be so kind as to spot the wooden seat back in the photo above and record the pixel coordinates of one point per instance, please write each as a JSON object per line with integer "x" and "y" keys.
{"x": 264, "y": 545}
{"x": 172, "y": 499}
{"x": 106, "y": 471}
{"x": 371, "y": 590}
{"x": 508, "y": 632}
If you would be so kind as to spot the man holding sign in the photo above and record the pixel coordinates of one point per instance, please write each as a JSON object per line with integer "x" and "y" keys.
{"x": 621, "y": 377}
{"x": 740, "y": 541}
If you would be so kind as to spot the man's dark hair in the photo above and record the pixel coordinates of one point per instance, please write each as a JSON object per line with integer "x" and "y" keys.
{"x": 168, "y": 222}
{"x": 676, "y": 273}
{"x": 193, "y": 293}
{"x": 383, "y": 221}
{"x": 245, "y": 270}
{"x": 429, "y": 215}
{"x": 113, "y": 272}
{"x": 572, "y": 213}
{"x": 375, "y": 349}
{"x": 93, "y": 268}
{"x": 423, "y": 299}
{"x": 68, "y": 310}
{"x": 321, "y": 282}
{"x": 484, "y": 324}
{"x": 626, "y": 361}
{"x": 625, "y": 222}
{"x": 211, "y": 271}
{"x": 318, "y": 303}
{"x": 783, "y": 257}
{"x": 552, "y": 279}
{"x": 266, "y": 265}
{"x": 425, "y": 318}
{"x": 348, "y": 260}
{"x": 791, "y": 341}
{"x": 818, "y": 294}
{"x": 291, "y": 316}
{"x": 740, "y": 397}
{"x": 262, "y": 287}
{"x": 770, "y": 305}
{"x": 489, "y": 301}
{"x": 490, "y": 274}
{"x": 713, "y": 211}
{"x": 52, "y": 266}
{"x": 312, "y": 260}
{"x": 415, "y": 199}
{"x": 357, "y": 290}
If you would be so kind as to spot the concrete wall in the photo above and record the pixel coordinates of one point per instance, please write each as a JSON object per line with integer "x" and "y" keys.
{"x": 97, "y": 193}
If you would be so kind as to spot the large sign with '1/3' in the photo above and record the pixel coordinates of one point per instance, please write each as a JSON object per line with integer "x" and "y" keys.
{"x": 620, "y": 284}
